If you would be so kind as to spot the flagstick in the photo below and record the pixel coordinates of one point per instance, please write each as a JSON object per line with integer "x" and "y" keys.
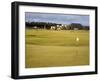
{"x": 77, "y": 40}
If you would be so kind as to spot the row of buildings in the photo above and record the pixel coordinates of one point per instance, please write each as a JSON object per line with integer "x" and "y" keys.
{"x": 72, "y": 26}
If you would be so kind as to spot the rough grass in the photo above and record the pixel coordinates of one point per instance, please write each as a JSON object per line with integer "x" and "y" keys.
{"x": 50, "y": 48}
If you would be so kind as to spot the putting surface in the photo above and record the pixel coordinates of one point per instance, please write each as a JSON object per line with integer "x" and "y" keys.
{"x": 51, "y": 48}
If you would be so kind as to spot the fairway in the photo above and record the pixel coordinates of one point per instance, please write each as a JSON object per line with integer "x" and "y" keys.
{"x": 51, "y": 48}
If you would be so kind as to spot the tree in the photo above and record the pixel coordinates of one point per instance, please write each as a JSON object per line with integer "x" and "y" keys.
{"x": 76, "y": 25}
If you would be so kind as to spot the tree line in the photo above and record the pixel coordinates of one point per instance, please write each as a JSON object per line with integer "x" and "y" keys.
{"x": 45, "y": 25}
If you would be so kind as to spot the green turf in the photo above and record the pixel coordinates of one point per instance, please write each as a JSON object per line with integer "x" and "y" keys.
{"x": 51, "y": 48}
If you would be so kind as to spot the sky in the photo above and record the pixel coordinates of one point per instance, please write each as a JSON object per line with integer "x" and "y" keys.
{"x": 57, "y": 18}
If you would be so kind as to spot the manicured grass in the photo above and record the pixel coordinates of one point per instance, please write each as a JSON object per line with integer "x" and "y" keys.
{"x": 51, "y": 48}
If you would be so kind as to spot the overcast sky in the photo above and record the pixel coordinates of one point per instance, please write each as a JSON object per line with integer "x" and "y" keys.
{"x": 57, "y": 18}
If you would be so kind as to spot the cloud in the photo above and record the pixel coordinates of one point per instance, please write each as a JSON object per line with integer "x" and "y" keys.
{"x": 57, "y": 18}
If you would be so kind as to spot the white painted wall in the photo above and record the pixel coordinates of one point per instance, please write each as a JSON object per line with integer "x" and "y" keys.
{"x": 5, "y": 40}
